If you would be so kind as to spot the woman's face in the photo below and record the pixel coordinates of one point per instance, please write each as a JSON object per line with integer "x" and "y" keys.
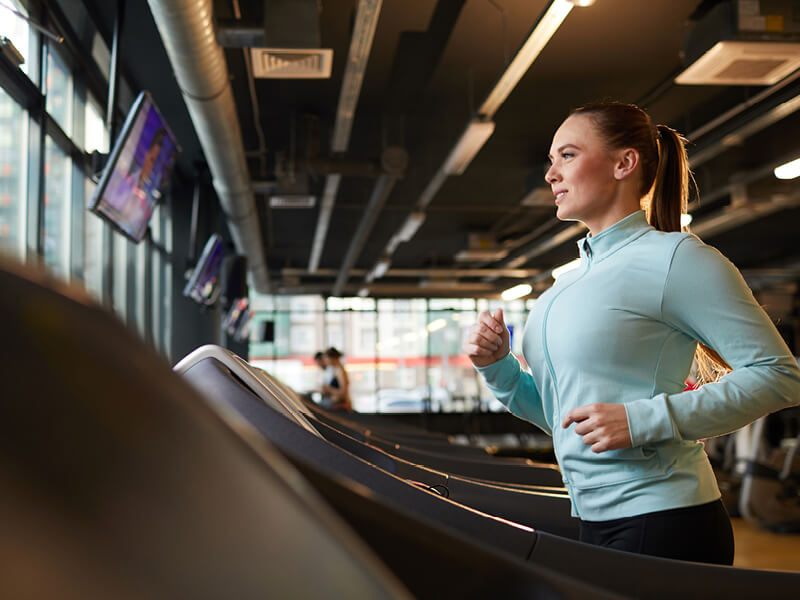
{"x": 581, "y": 173}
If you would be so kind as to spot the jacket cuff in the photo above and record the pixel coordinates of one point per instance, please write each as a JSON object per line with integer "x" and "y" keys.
{"x": 493, "y": 373}
{"x": 650, "y": 421}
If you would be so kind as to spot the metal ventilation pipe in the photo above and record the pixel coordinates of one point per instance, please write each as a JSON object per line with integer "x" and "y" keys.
{"x": 187, "y": 31}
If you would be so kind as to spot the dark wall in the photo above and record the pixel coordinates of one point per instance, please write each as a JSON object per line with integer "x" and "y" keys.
{"x": 192, "y": 325}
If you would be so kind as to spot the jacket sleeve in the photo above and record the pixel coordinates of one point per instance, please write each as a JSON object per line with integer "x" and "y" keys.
{"x": 515, "y": 389}
{"x": 706, "y": 297}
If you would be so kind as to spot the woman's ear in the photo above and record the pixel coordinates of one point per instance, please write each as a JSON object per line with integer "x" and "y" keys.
{"x": 626, "y": 163}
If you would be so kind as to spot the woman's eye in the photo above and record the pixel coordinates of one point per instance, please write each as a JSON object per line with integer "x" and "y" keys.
{"x": 567, "y": 155}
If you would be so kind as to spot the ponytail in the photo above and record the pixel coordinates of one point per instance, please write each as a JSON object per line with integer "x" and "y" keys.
{"x": 671, "y": 188}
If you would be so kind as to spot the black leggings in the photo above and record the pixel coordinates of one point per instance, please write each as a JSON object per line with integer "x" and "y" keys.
{"x": 698, "y": 533}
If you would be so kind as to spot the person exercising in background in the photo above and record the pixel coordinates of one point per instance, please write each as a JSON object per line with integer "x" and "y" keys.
{"x": 610, "y": 344}
{"x": 338, "y": 389}
{"x": 328, "y": 379}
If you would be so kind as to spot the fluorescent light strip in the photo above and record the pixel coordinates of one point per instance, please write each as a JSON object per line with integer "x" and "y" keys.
{"x": 471, "y": 142}
{"x": 790, "y": 170}
{"x": 537, "y": 40}
{"x": 518, "y": 291}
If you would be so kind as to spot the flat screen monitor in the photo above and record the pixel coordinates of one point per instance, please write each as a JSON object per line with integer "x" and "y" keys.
{"x": 233, "y": 319}
{"x": 203, "y": 285}
{"x": 138, "y": 170}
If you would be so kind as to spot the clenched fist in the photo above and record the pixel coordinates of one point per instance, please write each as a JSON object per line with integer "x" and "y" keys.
{"x": 488, "y": 339}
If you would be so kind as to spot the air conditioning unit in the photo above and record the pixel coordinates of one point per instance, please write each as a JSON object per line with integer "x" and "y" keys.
{"x": 743, "y": 42}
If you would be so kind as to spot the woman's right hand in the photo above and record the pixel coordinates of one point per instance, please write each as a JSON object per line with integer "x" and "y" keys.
{"x": 488, "y": 339}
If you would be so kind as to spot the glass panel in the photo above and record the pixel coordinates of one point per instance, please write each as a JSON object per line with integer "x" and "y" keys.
{"x": 93, "y": 249}
{"x": 13, "y": 176}
{"x": 402, "y": 348}
{"x": 59, "y": 91}
{"x": 142, "y": 289}
{"x": 119, "y": 290}
{"x": 165, "y": 332}
{"x": 16, "y": 30}
{"x": 56, "y": 209}
{"x": 96, "y": 135}
{"x": 405, "y": 357}
{"x": 156, "y": 299}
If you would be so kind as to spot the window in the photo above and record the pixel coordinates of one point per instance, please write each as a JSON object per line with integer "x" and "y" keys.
{"x": 17, "y": 31}
{"x": 96, "y": 134}
{"x": 93, "y": 249}
{"x": 56, "y": 209}
{"x": 13, "y": 176}
{"x": 59, "y": 91}
{"x": 119, "y": 292}
{"x": 402, "y": 355}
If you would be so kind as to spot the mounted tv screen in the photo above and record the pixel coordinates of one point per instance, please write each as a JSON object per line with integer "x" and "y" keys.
{"x": 138, "y": 170}
{"x": 203, "y": 285}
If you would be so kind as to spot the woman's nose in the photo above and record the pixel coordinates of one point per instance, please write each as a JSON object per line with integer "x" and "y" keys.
{"x": 551, "y": 174}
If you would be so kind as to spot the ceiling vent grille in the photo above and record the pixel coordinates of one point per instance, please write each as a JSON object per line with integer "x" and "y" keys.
{"x": 743, "y": 63}
{"x": 292, "y": 63}
{"x": 292, "y": 201}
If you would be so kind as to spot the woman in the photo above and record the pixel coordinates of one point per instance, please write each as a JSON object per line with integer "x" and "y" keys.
{"x": 338, "y": 389}
{"x": 611, "y": 343}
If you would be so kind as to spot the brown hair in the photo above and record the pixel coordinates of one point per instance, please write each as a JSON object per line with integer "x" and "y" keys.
{"x": 665, "y": 178}
{"x": 333, "y": 353}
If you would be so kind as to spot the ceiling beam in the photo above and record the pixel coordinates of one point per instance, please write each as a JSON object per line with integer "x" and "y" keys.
{"x": 383, "y": 187}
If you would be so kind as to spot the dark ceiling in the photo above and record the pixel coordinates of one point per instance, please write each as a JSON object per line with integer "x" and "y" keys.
{"x": 431, "y": 64}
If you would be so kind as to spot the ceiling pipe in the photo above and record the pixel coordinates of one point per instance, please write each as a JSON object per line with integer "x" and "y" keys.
{"x": 187, "y": 31}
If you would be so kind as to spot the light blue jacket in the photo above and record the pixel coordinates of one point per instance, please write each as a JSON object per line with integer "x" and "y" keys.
{"x": 623, "y": 328}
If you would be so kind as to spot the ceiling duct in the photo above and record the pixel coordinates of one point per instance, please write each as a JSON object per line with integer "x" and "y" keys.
{"x": 291, "y": 42}
{"x": 743, "y": 43}
{"x": 187, "y": 31}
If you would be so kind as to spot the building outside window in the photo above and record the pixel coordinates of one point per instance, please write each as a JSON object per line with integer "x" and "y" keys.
{"x": 402, "y": 355}
{"x": 59, "y": 91}
{"x": 13, "y": 176}
{"x": 57, "y": 168}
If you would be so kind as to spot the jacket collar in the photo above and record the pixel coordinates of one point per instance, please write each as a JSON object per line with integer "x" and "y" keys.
{"x": 612, "y": 238}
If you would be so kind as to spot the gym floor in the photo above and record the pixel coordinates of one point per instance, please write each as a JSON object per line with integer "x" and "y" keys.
{"x": 761, "y": 549}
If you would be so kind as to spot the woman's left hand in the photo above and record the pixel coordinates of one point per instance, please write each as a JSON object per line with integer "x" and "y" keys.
{"x": 603, "y": 426}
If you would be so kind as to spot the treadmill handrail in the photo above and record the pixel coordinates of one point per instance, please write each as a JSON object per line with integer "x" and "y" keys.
{"x": 258, "y": 384}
